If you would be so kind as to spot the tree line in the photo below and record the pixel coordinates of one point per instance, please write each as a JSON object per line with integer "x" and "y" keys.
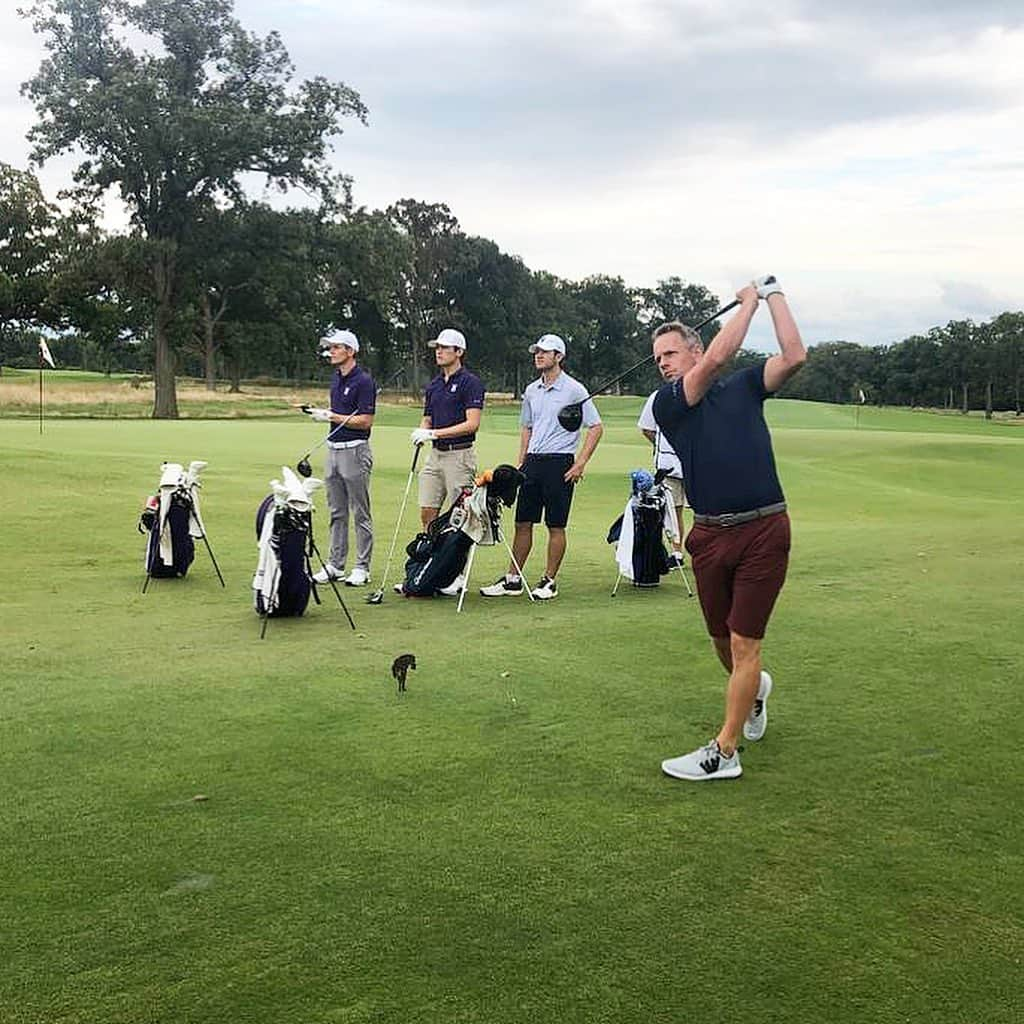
{"x": 173, "y": 105}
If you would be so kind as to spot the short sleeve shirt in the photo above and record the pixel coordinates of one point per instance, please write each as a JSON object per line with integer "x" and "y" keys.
{"x": 354, "y": 393}
{"x": 541, "y": 405}
{"x": 723, "y": 443}
{"x": 665, "y": 456}
{"x": 446, "y": 401}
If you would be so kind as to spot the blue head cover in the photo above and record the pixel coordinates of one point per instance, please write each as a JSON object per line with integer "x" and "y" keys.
{"x": 642, "y": 481}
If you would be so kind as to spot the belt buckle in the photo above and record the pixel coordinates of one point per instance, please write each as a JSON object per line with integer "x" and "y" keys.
{"x": 728, "y": 519}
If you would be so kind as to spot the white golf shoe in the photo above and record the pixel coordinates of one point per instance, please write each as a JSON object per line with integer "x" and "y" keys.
{"x": 707, "y": 762}
{"x": 757, "y": 721}
{"x": 454, "y": 588}
{"x": 327, "y": 573}
{"x": 358, "y": 577}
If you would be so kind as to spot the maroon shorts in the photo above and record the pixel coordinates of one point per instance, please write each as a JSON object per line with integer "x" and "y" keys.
{"x": 740, "y": 571}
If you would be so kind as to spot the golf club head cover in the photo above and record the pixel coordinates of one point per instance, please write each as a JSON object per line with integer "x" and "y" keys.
{"x": 766, "y": 286}
{"x": 642, "y": 481}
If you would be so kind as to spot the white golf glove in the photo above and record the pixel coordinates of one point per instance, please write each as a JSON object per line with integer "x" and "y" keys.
{"x": 766, "y": 286}
{"x": 421, "y": 435}
{"x": 321, "y": 415}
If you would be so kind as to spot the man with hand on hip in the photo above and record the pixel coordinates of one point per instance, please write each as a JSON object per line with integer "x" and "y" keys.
{"x": 349, "y": 460}
{"x": 740, "y": 539}
{"x": 550, "y": 465}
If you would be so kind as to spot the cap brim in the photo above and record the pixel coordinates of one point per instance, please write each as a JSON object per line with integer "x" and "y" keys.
{"x": 444, "y": 344}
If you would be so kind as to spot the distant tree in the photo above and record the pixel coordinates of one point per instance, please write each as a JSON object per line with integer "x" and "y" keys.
{"x": 29, "y": 251}
{"x": 174, "y": 127}
{"x": 422, "y": 304}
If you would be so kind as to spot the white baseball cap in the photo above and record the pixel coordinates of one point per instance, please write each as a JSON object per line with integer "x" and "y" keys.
{"x": 450, "y": 338}
{"x": 340, "y": 338}
{"x": 548, "y": 343}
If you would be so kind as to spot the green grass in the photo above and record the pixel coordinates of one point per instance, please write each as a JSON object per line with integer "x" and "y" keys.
{"x": 498, "y": 845}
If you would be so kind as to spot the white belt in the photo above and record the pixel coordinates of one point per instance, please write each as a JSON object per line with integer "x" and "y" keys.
{"x": 336, "y": 445}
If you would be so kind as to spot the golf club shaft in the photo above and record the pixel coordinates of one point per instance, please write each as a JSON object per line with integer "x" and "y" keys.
{"x": 647, "y": 359}
{"x": 398, "y": 523}
{"x": 327, "y": 437}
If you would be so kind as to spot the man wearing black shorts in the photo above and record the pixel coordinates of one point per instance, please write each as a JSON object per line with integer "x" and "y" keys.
{"x": 550, "y": 465}
{"x": 739, "y": 542}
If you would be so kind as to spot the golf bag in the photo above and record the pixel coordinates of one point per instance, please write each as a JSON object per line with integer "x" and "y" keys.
{"x": 171, "y": 521}
{"x": 638, "y": 533}
{"x": 284, "y": 534}
{"x": 438, "y": 555}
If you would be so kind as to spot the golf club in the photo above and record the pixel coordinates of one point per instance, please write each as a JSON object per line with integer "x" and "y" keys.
{"x": 377, "y": 596}
{"x": 571, "y": 416}
{"x": 302, "y": 467}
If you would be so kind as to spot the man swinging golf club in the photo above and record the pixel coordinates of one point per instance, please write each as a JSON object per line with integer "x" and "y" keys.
{"x": 550, "y": 465}
{"x": 740, "y": 539}
{"x": 349, "y": 459}
{"x": 452, "y": 406}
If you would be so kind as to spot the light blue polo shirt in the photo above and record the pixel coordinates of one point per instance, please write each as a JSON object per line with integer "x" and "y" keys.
{"x": 541, "y": 406}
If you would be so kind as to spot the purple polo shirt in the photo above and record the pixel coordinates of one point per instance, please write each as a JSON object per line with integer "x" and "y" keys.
{"x": 446, "y": 401}
{"x": 355, "y": 393}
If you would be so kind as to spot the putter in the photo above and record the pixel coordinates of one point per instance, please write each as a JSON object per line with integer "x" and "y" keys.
{"x": 571, "y": 416}
{"x": 302, "y": 467}
{"x": 377, "y": 597}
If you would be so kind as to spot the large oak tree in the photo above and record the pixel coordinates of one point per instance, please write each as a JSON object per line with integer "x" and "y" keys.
{"x": 171, "y": 102}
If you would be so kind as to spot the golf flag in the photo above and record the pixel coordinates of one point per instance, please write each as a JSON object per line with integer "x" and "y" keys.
{"x": 863, "y": 397}
{"x": 44, "y": 355}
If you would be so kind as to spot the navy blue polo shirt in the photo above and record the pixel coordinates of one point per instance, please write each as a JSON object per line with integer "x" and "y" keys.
{"x": 446, "y": 401}
{"x": 723, "y": 443}
{"x": 354, "y": 393}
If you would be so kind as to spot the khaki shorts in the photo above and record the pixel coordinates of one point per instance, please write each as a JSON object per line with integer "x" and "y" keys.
{"x": 444, "y": 475}
{"x": 675, "y": 488}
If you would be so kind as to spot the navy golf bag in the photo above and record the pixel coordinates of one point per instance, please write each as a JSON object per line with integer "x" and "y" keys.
{"x": 639, "y": 532}
{"x": 438, "y": 555}
{"x": 283, "y": 582}
{"x": 289, "y": 533}
{"x": 171, "y": 522}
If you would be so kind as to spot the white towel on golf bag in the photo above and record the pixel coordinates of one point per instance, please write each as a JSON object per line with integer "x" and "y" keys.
{"x": 174, "y": 477}
{"x": 294, "y": 493}
{"x": 624, "y": 549}
{"x": 477, "y": 522}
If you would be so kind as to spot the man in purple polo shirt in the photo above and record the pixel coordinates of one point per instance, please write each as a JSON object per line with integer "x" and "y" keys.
{"x": 349, "y": 459}
{"x": 452, "y": 406}
{"x": 740, "y": 539}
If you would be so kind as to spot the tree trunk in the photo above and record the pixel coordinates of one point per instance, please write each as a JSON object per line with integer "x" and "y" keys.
{"x": 988, "y": 399}
{"x": 236, "y": 377}
{"x": 963, "y": 403}
{"x": 165, "y": 401}
{"x": 209, "y": 348}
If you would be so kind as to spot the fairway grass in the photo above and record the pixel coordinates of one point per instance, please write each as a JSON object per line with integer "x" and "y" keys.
{"x": 498, "y": 844}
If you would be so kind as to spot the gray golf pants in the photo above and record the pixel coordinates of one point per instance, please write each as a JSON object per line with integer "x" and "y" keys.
{"x": 347, "y": 481}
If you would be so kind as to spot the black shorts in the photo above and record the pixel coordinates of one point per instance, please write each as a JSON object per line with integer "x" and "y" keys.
{"x": 545, "y": 490}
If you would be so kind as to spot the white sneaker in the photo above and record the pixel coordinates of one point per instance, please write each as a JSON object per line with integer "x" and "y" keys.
{"x": 757, "y": 721}
{"x": 505, "y": 587}
{"x": 328, "y": 572}
{"x": 358, "y": 577}
{"x": 399, "y": 588}
{"x": 545, "y": 589}
{"x": 704, "y": 763}
{"x": 454, "y": 588}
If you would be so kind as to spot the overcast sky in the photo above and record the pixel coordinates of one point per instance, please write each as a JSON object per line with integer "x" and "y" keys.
{"x": 871, "y": 155}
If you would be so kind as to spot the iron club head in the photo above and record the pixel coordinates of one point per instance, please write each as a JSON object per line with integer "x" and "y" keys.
{"x": 303, "y": 467}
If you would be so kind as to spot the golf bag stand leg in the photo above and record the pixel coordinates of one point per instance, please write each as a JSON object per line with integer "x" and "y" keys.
{"x": 618, "y": 580}
{"x": 465, "y": 578}
{"x": 265, "y": 617}
{"x": 202, "y": 534}
{"x": 334, "y": 586}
